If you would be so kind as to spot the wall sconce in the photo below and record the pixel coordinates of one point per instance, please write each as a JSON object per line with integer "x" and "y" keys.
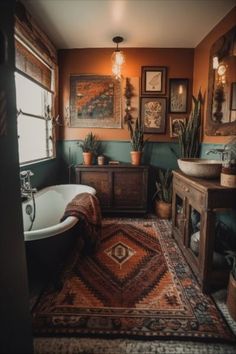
{"x": 117, "y": 58}
{"x": 215, "y": 62}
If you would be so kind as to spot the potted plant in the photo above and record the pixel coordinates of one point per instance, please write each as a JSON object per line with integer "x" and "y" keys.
{"x": 189, "y": 131}
{"x": 137, "y": 141}
{"x": 163, "y": 194}
{"x": 231, "y": 293}
{"x": 90, "y": 147}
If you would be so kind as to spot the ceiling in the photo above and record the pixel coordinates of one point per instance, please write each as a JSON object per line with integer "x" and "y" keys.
{"x": 142, "y": 23}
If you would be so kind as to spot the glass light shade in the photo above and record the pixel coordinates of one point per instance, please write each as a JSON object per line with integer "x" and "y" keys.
{"x": 118, "y": 60}
{"x": 118, "y": 57}
{"x": 116, "y": 70}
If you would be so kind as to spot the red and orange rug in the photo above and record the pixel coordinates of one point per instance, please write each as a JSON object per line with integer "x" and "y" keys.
{"x": 137, "y": 285}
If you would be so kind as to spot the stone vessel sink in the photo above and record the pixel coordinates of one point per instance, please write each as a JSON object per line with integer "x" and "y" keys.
{"x": 201, "y": 168}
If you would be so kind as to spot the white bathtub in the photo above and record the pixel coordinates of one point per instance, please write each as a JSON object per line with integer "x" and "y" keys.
{"x": 50, "y": 205}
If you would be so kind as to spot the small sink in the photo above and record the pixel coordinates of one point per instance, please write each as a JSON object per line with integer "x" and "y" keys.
{"x": 201, "y": 168}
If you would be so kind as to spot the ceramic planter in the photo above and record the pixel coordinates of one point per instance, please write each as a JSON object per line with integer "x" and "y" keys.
{"x": 136, "y": 157}
{"x": 88, "y": 158}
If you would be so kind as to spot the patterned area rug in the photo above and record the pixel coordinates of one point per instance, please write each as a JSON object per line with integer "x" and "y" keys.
{"x": 136, "y": 285}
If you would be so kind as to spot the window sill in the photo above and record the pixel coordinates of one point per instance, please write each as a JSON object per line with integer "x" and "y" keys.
{"x": 30, "y": 163}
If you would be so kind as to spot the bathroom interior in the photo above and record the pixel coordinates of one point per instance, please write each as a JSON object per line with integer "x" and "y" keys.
{"x": 47, "y": 48}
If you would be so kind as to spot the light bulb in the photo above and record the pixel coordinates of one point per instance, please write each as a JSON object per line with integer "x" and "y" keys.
{"x": 180, "y": 89}
{"x": 116, "y": 70}
{"x": 215, "y": 62}
{"x": 119, "y": 58}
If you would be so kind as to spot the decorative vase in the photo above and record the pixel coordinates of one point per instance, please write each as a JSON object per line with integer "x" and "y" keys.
{"x": 231, "y": 297}
{"x": 88, "y": 158}
{"x": 163, "y": 209}
{"x": 136, "y": 157}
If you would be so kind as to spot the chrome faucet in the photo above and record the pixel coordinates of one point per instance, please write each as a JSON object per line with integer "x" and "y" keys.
{"x": 215, "y": 151}
{"x": 26, "y": 187}
{"x": 225, "y": 155}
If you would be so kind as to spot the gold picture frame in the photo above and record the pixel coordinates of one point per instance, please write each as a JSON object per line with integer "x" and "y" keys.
{"x": 95, "y": 102}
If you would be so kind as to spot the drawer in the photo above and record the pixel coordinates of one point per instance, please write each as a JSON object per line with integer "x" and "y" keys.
{"x": 194, "y": 196}
{"x": 130, "y": 189}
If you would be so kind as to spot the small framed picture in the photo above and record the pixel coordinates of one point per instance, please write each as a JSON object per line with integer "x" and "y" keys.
{"x": 175, "y": 126}
{"x": 233, "y": 97}
{"x": 153, "y": 80}
{"x": 178, "y": 102}
{"x": 153, "y": 114}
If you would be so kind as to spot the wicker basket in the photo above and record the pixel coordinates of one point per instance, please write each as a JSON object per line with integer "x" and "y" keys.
{"x": 163, "y": 209}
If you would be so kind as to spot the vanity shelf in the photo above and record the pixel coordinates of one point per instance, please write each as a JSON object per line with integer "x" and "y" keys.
{"x": 195, "y": 204}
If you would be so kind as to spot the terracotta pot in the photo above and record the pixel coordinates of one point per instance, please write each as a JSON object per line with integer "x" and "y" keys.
{"x": 163, "y": 209}
{"x": 88, "y": 158}
{"x": 231, "y": 297}
{"x": 136, "y": 157}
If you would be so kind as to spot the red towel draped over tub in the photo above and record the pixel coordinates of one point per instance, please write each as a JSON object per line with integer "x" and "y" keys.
{"x": 86, "y": 208}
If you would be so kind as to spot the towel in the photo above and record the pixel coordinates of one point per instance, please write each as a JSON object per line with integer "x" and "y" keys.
{"x": 86, "y": 208}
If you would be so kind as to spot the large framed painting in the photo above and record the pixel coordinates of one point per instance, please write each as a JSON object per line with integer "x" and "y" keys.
{"x": 178, "y": 102}
{"x": 153, "y": 80}
{"x": 153, "y": 114}
{"x": 95, "y": 101}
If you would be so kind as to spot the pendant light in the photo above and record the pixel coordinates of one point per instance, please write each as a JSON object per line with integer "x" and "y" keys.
{"x": 117, "y": 58}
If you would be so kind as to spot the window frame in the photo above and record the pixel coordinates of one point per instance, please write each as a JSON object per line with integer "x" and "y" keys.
{"x": 47, "y": 115}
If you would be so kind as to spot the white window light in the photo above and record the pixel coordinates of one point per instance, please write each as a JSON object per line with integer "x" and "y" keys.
{"x": 35, "y": 129}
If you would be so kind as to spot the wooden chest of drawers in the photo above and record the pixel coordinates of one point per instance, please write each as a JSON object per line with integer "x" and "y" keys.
{"x": 120, "y": 188}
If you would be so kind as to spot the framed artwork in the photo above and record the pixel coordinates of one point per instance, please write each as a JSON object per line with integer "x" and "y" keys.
{"x": 153, "y": 80}
{"x": 153, "y": 114}
{"x": 178, "y": 96}
{"x": 175, "y": 126}
{"x": 95, "y": 101}
{"x": 233, "y": 97}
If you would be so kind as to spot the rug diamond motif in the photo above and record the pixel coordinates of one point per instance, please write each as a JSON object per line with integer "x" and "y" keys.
{"x": 120, "y": 253}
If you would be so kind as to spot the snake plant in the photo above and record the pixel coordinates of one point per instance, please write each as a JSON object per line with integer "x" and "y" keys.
{"x": 189, "y": 131}
{"x": 137, "y": 140}
{"x": 164, "y": 186}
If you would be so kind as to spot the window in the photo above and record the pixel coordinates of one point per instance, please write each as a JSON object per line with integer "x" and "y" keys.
{"x": 34, "y": 104}
{"x": 35, "y": 85}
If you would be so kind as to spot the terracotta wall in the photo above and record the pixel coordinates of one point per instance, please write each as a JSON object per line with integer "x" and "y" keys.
{"x": 98, "y": 61}
{"x": 201, "y": 64}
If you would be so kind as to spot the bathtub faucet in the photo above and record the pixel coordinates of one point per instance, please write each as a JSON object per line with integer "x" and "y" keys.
{"x": 26, "y": 187}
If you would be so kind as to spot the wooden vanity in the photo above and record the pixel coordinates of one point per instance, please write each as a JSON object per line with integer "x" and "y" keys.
{"x": 205, "y": 198}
